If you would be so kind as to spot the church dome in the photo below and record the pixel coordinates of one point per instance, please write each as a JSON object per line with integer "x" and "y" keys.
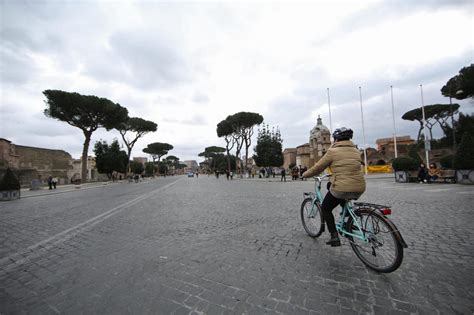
{"x": 319, "y": 128}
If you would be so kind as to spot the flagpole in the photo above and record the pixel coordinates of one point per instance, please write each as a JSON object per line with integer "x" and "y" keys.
{"x": 394, "y": 130}
{"x": 330, "y": 119}
{"x": 363, "y": 129}
{"x": 424, "y": 127}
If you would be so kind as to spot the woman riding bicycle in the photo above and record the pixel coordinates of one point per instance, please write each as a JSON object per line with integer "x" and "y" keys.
{"x": 347, "y": 180}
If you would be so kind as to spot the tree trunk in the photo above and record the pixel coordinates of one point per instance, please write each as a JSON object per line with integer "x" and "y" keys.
{"x": 419, "y": 131}
{"x": 159, "y": 158}
{"x": 129, "y": 153}
{"x": 85, "y": 151}
{"x": 247, "y": 146}
{"x": 237, "y": 152}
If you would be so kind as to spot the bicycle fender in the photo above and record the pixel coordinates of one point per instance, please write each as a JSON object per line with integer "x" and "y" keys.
{"x": 398, "y": 235}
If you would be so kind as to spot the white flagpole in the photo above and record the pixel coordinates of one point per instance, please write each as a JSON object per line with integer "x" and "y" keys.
{"x": 330, "y": 119}
{"x": 363, "y": 129}
{"x": 394, "y": 130}
{"x": 424, "y": 127}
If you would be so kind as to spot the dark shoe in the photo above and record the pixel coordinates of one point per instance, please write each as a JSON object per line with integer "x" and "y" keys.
{"x": 334, "y": 241}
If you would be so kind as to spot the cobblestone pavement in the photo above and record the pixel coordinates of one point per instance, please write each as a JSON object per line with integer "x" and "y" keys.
{"x": 206, "y": 246}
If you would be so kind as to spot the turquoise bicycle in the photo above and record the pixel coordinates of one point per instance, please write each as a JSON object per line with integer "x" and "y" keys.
{"x": 373, "y": 237}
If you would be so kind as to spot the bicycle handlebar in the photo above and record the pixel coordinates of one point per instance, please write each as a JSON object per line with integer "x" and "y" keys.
{"x": 320, "y": 178}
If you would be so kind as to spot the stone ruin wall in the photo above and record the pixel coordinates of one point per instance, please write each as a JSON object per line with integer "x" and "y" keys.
{"x": 38, "y": 163}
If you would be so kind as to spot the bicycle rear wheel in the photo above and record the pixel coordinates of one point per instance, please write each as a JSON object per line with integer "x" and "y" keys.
{"x": 312, "y": 217}
{"x": 382, "y": 252}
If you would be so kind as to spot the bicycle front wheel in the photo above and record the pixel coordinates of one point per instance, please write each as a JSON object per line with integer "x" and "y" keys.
{"x": 382, "y": 251}
{"x": 312, "y": 217}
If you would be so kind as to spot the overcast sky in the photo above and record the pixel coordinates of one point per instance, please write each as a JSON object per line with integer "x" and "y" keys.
{"x": 187, "y": 65}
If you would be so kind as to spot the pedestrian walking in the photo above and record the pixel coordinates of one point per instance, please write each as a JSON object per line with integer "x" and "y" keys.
{"x": 283, "y": 175}
{"x": 50, "y": 182}
{"x": 294, "y": 173}
{"x": 54, "y": 182}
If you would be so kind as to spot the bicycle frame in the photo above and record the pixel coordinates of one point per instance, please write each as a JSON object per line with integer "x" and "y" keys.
{"x": 346, "y": 210}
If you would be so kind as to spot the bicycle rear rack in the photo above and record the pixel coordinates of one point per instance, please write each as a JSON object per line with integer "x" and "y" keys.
{"x": 385, "y": 210}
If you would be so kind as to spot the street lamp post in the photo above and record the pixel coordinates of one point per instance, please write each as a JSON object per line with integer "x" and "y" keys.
{"x": 330, "y": 119}
{"x": 427, "y": 143}
{"x": 363, "y": 130}
{"x": 394, "y": 130}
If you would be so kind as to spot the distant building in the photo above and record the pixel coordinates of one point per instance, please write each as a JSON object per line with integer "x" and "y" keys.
{"x": 303, "y": 155}
{"x": 191, "y": 166}
{"x": 31, "y": 163}
{"x": 309, "y": 153}
{"x": 388, "y": 143}
{"x": 289, "y": 157}
{"x": 142, "y": 160}
{"x": 92, "y": 173}
{"x": 319, "y": 142}
{"x": 386, "y": 150}
{"x": 8, "y": 155}
{"x": 35, "y": 163}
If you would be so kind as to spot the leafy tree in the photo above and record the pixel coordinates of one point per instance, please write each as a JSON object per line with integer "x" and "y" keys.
{"x": 464, "y": 124}
{"x": 174, "y": 163}
{"x": 138, "y": 127}
{"x": 224, "y": 129}
{"x": 464, "y": 157}
{"x": 211, "y": 153}
{"x": 172, "y": 158}
{"x": 413, "y": 153}
{"x": 163, "y": 167}
{"x": 220, "y": 163}
{"x": 109, "y": 158}
{"x": 242, "y": 124}
{"x": 150, "y": 168}
{"x": 9, "y": 181}
{"x": 460, "y": 86}
{"x": 436, "y": 113}
{"x": 157, "y": 150}
{"x": 268, "y": 151}
{"x": 86, "y": 112}
{"x": 136, "y": 167}
{"x": 447, "y": 161}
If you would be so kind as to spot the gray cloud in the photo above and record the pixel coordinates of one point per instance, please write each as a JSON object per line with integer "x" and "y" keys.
{"x": 195, "y": 120}
{"x": 144, "y": 61}
{"x": 16, "y": 68}
{"x": 382, "y": 12}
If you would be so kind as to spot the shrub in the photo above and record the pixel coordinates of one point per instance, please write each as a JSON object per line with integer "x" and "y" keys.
{"x": 447, "y": 161}
{"x": 405, "y": 163}
{"x": 413, "y": 153}
{"x": 464, "y": 157}
{"x": 9, "y": 181}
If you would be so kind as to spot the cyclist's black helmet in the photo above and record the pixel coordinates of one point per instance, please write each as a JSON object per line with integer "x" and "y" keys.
{"x": 342, "y": 134}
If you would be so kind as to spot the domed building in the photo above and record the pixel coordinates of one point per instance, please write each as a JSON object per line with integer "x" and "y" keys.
{"x": 307, "y": 154}
{"x": 319, "y": 141}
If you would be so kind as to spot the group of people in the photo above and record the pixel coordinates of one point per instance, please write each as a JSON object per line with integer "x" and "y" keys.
{"x": 428, "y": 175}
{"x": 52, "y": 182}
{"x": 297, "y": 172}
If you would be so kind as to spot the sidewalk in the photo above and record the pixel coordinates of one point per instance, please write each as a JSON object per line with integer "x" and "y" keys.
{"x": 27, "y": 193}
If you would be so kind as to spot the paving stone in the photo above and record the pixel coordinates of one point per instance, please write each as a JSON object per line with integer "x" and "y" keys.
{"x": 202, "y": 245}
